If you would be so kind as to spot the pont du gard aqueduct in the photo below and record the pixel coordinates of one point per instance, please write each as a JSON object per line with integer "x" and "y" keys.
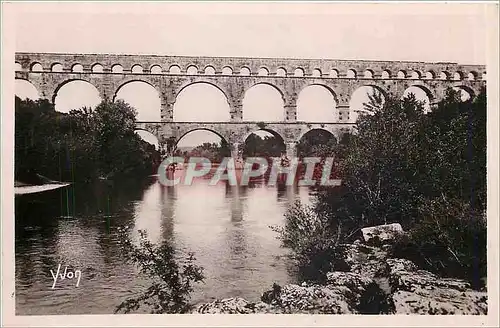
{"x": 169, "y": 75}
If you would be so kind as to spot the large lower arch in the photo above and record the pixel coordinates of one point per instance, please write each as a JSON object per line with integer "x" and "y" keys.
{"x": 24, "y": 89}
{"x": 366, "y": 99}
{"x": 263, "y": 142}
{"x": 466, "y": 93}
{"x": 202, "y": 142}
{"x": 317, "y": 103}
{"x": 142, "y": 96}
{"x": 315, "y": 142}
{"x": 263, "y": 102}
{"x": 75, "y": 94}
{"x": 421, "y": 93}
{"x": 201, "y": 102}
{"x": 149, "y": 138}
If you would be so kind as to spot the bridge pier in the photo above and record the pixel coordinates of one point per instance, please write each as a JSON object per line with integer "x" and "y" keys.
{"x": 237, "y": 155}
{"x": 291, "y": 149}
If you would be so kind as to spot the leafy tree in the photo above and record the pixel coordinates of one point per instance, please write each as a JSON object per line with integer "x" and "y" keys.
{"x": 400, "y": 164}
{"x": 172, "y": 279}
{"x": 268, "y": 146}
{"x": 81, "y": 145}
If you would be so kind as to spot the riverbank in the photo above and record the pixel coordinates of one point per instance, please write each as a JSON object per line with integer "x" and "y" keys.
{"x": 375, "y": 284}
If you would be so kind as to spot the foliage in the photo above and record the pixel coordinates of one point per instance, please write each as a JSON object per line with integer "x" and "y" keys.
{"x": 449, "y": 240}
{"x": 256, "y": 146}
{"x": 315, "y": 243}
{"x": 401, "y": 165}
{"x": 213, "y": 151}
{"x": 82, "y": 145}
{"x": 173, "y": 279}
{"x": 317, "y": 143}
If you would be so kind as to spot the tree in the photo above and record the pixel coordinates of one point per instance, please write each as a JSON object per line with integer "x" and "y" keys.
{"x": 82, "y": 145}
{"x": 173, "y": 279}
{"x": 402, "y": 165}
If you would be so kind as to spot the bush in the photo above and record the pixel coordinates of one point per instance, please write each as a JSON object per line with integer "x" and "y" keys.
{"x": 173, "y": 278}
{"x": 424, "y": 171}
{"x": 450, "y": 240}
{"x": 315, "y": 244}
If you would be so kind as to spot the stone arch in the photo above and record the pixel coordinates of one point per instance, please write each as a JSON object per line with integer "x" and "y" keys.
{"x": 265, "y": 83}
{"x": 327, "y": 87}
{"x": 137, "y": 69}
{"x": 444, "y": 75}
{"x": 415, "y": 75}
{"x": 77, "y": 68}
{"x": 263, "y": 71}
{"x": 326, "y": 109}
{"x": 245, "y": 71}
{"x": 87, "y": 94}
{"x": 18, "y": 67}
{"x": 201, "y": 81}
{"x": 361, "y": 96}
{"x": 150, "y": 134}
{"x": 425, "y": 89}
{"x": 245, "y": 107}
{"x": 316, "y": 72}
{"x": 188, "y": 99}
{"x": 430, "y": 75}
{"x": 351, "y": 74}
{"x": 469, "y": 93}
{"x": 97, "y": 68}
{"x": 174, "y": 69}
{"x": 183, "y": 133}
{"x": 192, "y": 70}
{"x": 227, "y": 70}
{"x": 63, "y": 83}
{"x": 386, "y": 74}
{"x": 334, "y": 73}
{"x": 309, "y": 130}
{"x": 56, "y": 67}
{"x": 209, "y": 70}
{"x": 299, "y": 72}
{"x": 457, "y": 76}
{"x": 36, "y": 67}
{"x": 269, "y": 130}
{"x": 155, "y": 69}
{"x": 117, "y": 68}
{"x": 147, "y": 104}
{"x": 29, "y": 90}
{"x": 368, "y": 74}
{"x": 472, "y": 75}
{"x": 281, "y": 71}
{"x": 401, "y": 74}
{"x": 124, "y": 82}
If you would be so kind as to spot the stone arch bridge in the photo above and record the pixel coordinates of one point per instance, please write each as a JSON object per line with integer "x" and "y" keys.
{"x": 169, "y": 75}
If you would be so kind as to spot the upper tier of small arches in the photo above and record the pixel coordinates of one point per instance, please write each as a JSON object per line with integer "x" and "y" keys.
{"x": 251, "y": 67}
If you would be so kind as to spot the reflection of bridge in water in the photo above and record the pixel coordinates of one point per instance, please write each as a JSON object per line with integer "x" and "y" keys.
{"x": 234, "y": 76}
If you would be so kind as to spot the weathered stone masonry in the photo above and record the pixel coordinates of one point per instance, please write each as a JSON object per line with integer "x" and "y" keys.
{"x": 109, "y": 72}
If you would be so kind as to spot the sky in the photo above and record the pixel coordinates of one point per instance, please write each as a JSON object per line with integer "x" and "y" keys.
{"x": 417, "y": 32}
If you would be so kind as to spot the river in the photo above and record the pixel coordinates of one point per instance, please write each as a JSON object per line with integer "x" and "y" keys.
{"x": 227, "y": 228}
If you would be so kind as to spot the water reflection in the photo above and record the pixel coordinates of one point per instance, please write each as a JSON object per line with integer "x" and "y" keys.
{"x": 227, "y": 227}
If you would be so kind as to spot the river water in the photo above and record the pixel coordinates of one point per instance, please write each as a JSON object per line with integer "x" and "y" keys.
{"x": 227, "y": 228}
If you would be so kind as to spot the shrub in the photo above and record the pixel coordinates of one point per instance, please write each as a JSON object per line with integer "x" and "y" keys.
{"x": 315, "y": 244}
{"x": 450, "y": 240}
{"x": 173, "y": 278}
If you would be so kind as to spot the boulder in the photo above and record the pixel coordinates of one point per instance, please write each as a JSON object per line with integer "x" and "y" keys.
{"x": 421, "y": 292}
{"x": 343, "y": 293}
{"x": 234, "y": 305}
{"x": 381, "y": 233}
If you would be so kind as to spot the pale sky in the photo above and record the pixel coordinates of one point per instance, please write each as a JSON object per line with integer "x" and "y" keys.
{"x": 419, "y": 32}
